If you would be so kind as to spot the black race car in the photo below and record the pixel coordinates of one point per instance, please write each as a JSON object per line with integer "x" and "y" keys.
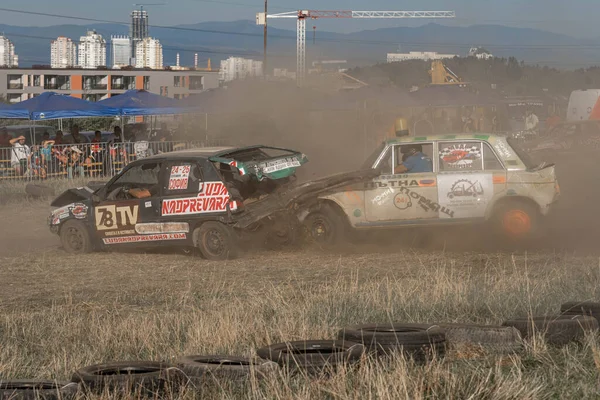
{"x": 203, "y": 198}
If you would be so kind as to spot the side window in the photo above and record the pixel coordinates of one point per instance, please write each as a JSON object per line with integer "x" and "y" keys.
{"x": 460, "y": 156}
{"x": 143, "y": 175}
{"x": 490, "y": 161}
{"x": 140, "y": 181}
{"x": 385, "y": 164}
{"x": 421, "y": 164}
{"x": 183, "y": 178}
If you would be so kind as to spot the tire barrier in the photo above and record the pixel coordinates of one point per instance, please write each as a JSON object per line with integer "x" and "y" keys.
{"x": 472, "y": 339}
{"x": 203, "y": 368}
{"x": 21, "y": 389}
{"x": 555, "y": 329}
{"x": 313, "y": 356}
{"x": 124, "y": 376}
{"x": 581, "y": 308}
{"x": 420, "y": 342}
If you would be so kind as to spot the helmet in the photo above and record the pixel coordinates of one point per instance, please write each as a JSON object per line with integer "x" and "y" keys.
{"x": 407, "y": 149}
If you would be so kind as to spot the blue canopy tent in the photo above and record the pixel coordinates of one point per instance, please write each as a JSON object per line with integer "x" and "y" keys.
{"x": 7, "y": 111}
{"x": 50, "y": 105}
{"x": 140, "y": 102}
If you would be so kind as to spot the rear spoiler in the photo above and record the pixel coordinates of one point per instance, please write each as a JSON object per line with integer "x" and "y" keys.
{"x": 272, "y": 168}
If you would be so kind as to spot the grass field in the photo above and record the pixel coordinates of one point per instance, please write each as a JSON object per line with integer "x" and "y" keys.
{"x": 60, "y": 312}
{"x": 63, "y": 312}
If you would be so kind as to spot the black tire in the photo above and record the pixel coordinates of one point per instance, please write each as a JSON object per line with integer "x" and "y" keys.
{"x": 37, "y": 190}
{"x": 470, "y": 338}
{"x": 21, "y": 389}
{"x": 556, "y": 329}
{"x": 589, "y": 308}
{"x": 75, "y": 237}
{"x": 230, "y": 367}
{"x": 418, "y": 341}
{"x": 124, "y": 376}
{"x": 325, "y": 227}
{"x": 517, "y": 220}
{"x": 216, "y": 241}
{"x": 313, "y": 356}
{"x": 281, "y": 232}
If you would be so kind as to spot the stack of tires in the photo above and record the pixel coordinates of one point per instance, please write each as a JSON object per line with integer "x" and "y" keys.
{"x": 420, "y": 342}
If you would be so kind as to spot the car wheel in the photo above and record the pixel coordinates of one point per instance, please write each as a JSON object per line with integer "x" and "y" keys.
{"x": 324, "y": 227}
{"x": 517, "y": 220}
{"x": 75, "y": 237}
{"x": 216, "y": 241}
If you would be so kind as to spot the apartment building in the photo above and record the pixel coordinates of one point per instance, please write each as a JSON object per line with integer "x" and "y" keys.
{"x": 63, "y": 53}
{"x": 121, "y": 51}
{"x": 239, "y": 68}
{"x": 17, "y": 84}
{"x": 92, "y": 50}
{"x": 148, "y": 54}
{"x": 8, "y": 58}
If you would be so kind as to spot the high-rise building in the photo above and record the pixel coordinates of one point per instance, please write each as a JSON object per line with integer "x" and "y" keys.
{"x": 139, "y": 28}
{"x": 63, "y": 53}
{"x": 8, "y": 57}
{"x": 148, "y": 54}
{"x": 121, "y": 51}
{"x": 92, "y": 50}
{"x": 239, "y": 68}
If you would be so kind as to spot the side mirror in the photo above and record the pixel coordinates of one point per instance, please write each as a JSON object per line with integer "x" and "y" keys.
{"x": 95, "y": 198}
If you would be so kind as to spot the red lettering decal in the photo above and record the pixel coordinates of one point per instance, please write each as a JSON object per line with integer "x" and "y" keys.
{"x": 193, "y": 204}
{"x": 219, "y": 203}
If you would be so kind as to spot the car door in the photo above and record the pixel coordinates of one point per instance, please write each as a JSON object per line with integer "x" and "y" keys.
{"x": 130, "y": 199}
{"x": 404, "y": 197}
{"x": 465, "y": 188}
{"x": 192, "y": 190}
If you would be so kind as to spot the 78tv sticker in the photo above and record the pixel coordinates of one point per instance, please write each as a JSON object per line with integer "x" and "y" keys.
{"x": 115, "y": 217}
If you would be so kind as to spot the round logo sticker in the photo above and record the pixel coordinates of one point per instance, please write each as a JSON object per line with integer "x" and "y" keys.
{"x": 402, "y": 201}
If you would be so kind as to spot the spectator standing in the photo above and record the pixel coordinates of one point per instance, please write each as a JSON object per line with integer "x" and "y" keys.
{"x": 75, "y": 162}
{"x": 20, "y": 155}
{"x": 96, "y": 153}
{"x": 47, "y": 153}
{"x": 118, "y": 152}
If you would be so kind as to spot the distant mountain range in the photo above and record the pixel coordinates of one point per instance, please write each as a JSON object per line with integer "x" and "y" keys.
{"x": 244, "y": 38}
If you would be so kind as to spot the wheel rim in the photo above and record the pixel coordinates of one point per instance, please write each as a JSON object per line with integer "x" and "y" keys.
{"x": 214, "y": 242}
{"x": 74, "y": 239}
{"x": 517, "y": 222}
{"x": 320, "y": 229}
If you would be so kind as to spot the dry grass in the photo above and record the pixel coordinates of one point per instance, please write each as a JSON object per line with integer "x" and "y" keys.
{"x": 62, "y": 312}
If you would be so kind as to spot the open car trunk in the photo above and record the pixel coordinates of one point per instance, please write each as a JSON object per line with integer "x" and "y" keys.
{"x": 255, "y": 171}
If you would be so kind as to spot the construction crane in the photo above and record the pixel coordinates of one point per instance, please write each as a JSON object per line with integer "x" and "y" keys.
{"x": 442, "y": 75}
{"x": 302, "y": 15}
{"x": 148, "y": 4}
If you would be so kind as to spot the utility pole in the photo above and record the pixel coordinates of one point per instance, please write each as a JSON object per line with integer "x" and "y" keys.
{"x": 265, "y": 44}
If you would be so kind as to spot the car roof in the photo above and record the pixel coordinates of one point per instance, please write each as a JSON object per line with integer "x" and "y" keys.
{"x": 200, "y": 152}
{"x": 446, "y": 136}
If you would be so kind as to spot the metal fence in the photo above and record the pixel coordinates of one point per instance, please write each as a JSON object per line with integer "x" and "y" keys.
{"x": 83, "y": 160}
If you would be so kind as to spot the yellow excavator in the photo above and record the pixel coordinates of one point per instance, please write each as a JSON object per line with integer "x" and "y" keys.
{"x": 442, "y": 75}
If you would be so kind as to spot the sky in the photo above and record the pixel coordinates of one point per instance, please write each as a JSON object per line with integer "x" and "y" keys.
{"x": 576, "y": 17}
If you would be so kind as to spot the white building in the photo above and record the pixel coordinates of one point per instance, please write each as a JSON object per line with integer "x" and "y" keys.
{"x": 63, "y": 53}
{"x": 239, "y": 68}
{"x": 8, "y": 57}
{"x": 480, "y": 53}
{"x": 92, "y": 50}
{"x": 417, "y": 55}
{"x": 148, "y": 54}
{"x": 121, "y": 51}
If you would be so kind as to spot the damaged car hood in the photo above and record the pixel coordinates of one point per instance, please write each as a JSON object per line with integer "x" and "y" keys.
{"x": 76, "y": 194}
{"x": 291, "y": 197}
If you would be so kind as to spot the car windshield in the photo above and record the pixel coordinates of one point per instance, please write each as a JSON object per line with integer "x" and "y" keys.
{"x": 527, "y": 160}
{"x": 368, "y": 164}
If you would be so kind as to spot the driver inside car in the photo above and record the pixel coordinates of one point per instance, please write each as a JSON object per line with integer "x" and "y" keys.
{"x": 414, "y": 160}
